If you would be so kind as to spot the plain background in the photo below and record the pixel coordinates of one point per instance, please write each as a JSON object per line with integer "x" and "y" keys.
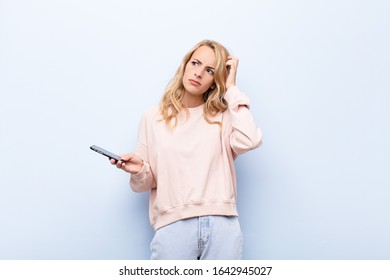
{"x": 78, "y": 73}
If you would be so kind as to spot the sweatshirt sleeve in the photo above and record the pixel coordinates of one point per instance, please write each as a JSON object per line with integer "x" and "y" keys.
{"x": 245, "y": 134}
{"x": 144, "y": 180}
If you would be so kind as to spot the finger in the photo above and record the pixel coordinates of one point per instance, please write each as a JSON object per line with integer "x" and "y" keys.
{"x": 231, "y": 57}
{"x": 232, "y": 60}
{"x": 114, "y": 161}
{"x": 230, "y": 65}
{"x": 122, "y": 165}
{"x": 119, "y": 163}
{"x": 126, "y": 157}
{"x": 133, "y": 158}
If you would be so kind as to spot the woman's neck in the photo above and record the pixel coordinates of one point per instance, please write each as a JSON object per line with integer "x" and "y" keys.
{"x": 192, "y": 101}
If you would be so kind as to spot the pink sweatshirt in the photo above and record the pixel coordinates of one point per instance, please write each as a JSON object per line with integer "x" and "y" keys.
{"x": 189, "y": 170}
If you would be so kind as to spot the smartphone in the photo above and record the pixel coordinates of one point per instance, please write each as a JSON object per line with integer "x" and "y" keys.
{"x": 105, "y": 153}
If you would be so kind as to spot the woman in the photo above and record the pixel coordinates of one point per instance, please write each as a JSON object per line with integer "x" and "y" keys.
{"x": 186, "y": 149}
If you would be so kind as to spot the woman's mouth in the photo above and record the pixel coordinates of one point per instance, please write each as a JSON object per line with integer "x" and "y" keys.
{"x": 195, "y": 83}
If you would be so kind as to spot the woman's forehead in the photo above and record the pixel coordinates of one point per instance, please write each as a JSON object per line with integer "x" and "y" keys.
{"x": 205, "y": 55}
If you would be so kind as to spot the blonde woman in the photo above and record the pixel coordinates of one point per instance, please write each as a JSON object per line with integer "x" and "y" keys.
{"x": 185, "y": 158}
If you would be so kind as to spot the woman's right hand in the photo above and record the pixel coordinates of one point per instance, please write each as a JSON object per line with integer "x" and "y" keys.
{"x": 130, "y": 163}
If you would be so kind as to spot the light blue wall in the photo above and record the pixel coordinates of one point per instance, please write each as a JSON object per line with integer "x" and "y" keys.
{"x": 77, "y": 73}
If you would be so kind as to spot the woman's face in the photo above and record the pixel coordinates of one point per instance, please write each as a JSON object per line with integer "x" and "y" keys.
{"x": 199, "y": 72}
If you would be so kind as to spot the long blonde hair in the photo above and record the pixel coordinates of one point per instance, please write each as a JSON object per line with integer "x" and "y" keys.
{"x": 171, "y": 103}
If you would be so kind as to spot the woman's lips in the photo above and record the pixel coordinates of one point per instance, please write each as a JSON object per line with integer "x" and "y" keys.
{"x": 195, "y": 83}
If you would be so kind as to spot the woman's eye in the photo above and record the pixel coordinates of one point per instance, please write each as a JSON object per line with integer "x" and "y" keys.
{"x": 211, "y": 72}
{"x": 194, "y": 63}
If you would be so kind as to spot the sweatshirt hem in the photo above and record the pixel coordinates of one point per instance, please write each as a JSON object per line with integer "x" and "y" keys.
{"x": 193, "y": 210}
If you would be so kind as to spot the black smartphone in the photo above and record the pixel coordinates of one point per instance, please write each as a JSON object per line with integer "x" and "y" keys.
{"x": 105, "y": 153}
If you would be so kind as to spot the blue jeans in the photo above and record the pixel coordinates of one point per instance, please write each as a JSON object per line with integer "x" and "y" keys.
{"x": 202, "y": 238}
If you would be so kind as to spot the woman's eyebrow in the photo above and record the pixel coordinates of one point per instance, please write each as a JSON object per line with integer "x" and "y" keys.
{"x": 200, "y": 62}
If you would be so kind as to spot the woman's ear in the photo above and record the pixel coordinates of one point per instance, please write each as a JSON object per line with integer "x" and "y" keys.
{"x": 212, "y": 86}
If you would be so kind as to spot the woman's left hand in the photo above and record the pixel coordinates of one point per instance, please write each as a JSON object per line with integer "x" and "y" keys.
{"x": 231, "y": 66}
